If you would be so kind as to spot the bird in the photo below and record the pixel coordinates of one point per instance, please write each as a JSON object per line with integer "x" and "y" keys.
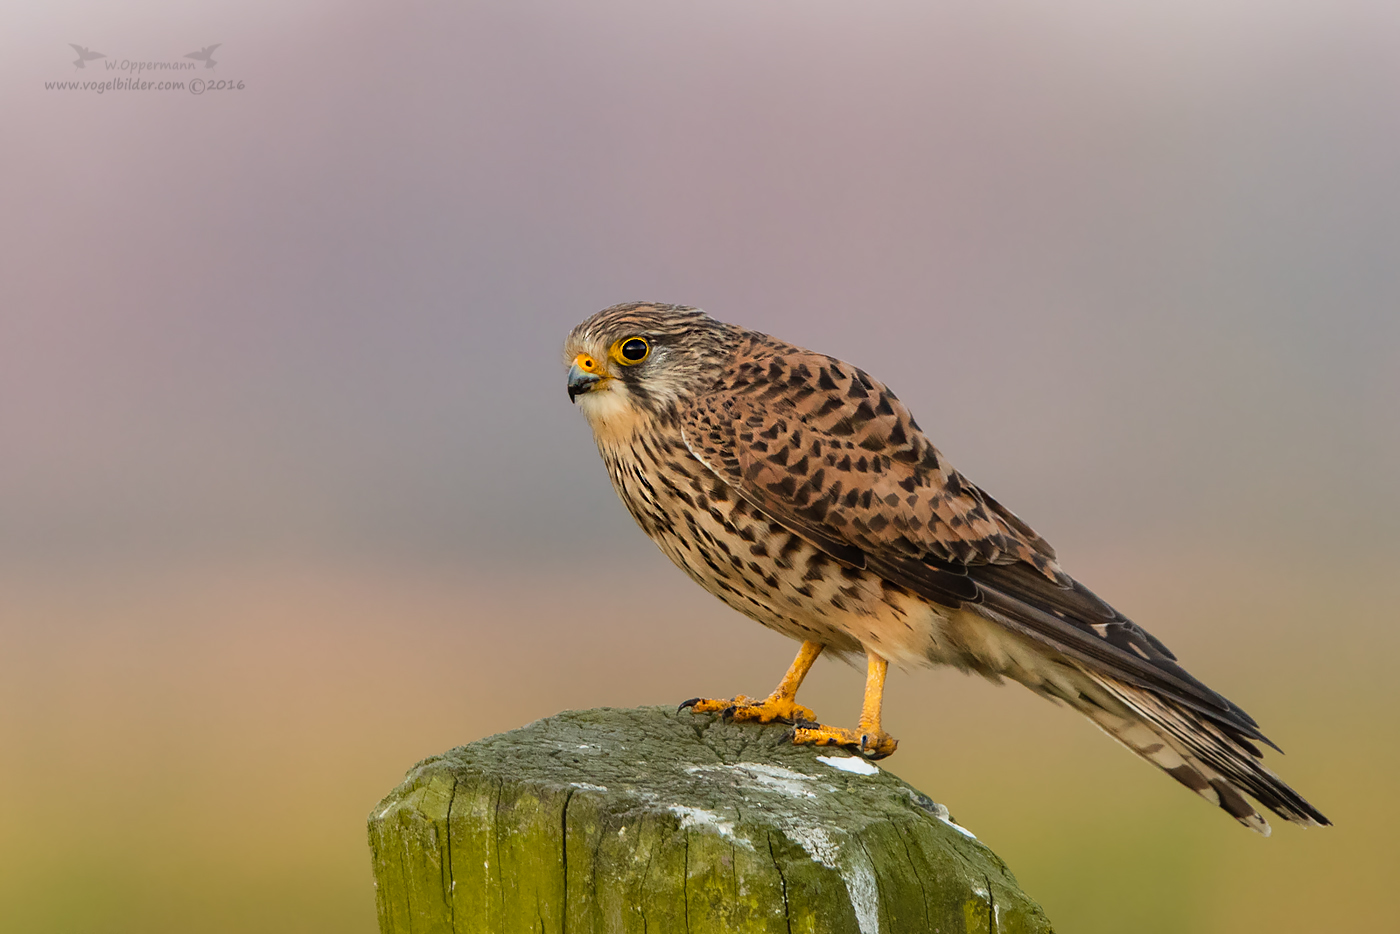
{"x": 206, "y": 55}
{"x": 85, "y": 55}
{"x": 801, "y": 492}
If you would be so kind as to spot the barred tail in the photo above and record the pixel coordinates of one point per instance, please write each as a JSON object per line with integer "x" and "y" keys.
{"x": 1198, "y": 753}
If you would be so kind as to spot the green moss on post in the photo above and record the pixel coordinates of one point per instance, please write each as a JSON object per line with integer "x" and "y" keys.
{"x": 650, "y": 821}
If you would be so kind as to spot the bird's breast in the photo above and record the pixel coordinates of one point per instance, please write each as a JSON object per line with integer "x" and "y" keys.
{"x": 757, "y": 566}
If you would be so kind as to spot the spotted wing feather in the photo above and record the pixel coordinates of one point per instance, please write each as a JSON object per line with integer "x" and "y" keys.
{"x": 832, "y": 454}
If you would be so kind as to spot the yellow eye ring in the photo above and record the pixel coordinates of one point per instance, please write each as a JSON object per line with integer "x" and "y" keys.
{"x": 630, "y": 350}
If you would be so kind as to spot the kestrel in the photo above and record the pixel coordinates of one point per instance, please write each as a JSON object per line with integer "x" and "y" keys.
{"x": 797, "y": 489}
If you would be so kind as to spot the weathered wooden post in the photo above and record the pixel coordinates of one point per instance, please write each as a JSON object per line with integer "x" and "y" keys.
{"x": 652, "y": 821}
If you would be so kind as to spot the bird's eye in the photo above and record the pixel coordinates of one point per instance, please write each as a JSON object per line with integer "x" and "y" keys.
{"x": 632, "y": 350}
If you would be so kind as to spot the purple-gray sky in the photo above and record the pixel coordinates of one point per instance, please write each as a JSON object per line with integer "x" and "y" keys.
{"x": 1134, "y": 267}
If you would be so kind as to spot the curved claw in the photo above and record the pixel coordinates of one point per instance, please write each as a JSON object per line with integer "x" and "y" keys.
{"x": 870, "y": 745}
{"x": 877, "y": 747}
{"x": 706, "y": 705}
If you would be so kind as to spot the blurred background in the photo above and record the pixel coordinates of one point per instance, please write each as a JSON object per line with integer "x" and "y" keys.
{"x": 291, "y": 495}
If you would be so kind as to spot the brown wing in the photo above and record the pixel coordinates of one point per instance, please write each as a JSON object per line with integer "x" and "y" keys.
{"x": 830, "y": 453}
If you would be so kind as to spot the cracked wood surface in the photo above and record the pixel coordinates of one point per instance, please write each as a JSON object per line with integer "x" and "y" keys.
{"x": 652, "y": 821}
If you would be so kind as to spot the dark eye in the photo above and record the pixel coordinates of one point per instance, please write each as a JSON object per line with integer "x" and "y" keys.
{"x": 634, "y": 350}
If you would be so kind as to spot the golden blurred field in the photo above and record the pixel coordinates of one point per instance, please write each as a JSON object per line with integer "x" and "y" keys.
{"x": 197, "y": 748}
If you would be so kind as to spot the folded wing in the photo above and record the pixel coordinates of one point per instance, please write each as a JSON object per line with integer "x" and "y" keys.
{"x": 834, "y": 456}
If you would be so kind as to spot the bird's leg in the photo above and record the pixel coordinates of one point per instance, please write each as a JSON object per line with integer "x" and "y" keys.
{"x": 867, "y": 739}
{"x": 780, "y": 705}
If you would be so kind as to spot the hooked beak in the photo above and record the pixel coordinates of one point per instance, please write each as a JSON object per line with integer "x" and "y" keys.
{"x": 584, "y": 376}
{"x": 580, "y": 382}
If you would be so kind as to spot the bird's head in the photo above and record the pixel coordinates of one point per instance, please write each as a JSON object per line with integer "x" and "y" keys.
{"x": 640, "y": 360}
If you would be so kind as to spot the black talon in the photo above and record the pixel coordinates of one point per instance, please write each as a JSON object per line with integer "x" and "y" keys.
{"x": 728, "y": 712}
{"x": 690, "y": 703}
{"x": 866, "y": 752}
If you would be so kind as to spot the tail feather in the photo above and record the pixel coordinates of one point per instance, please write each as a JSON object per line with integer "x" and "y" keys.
{"x": 1198, "y": 753}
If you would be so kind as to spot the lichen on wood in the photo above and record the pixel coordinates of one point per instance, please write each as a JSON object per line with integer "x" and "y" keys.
{"x": 651, "y": 821}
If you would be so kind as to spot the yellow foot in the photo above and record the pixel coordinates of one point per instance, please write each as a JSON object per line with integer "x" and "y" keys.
{"x": 750, "y": 710}
{"x": 873, "y": 744}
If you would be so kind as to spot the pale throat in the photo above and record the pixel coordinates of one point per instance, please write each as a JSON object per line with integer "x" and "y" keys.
{"x": 612, "y": 416}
